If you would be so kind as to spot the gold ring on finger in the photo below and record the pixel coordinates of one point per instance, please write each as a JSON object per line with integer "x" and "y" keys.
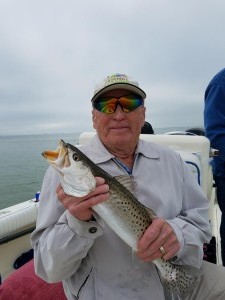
{"x": 162, "y": 250}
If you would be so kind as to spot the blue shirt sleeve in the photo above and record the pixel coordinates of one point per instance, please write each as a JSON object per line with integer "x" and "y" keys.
{"x": 214, "y": 116}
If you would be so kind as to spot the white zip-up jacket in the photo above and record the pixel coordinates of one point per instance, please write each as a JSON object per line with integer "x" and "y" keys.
{"x": 90, "y": 259}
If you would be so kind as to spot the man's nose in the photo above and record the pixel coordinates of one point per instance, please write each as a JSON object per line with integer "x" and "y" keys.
{"x": 119, "y": 113}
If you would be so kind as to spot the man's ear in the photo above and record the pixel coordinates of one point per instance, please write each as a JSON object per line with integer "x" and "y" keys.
{"x": 144, "y": 110}
{"x": 93, "y": 118}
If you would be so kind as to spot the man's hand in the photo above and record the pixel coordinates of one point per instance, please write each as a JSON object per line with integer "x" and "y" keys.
{"x": 80, "y": 207}
{"x": 158, "y": 241}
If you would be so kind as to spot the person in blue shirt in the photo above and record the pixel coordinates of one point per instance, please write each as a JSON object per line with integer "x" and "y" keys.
{"x": 214, "y": 119}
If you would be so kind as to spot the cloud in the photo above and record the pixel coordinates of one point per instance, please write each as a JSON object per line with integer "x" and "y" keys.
{"x": 52, "y": 53}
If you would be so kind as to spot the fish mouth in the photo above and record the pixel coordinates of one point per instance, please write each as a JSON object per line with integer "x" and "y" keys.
{"x": 59, "y": 153}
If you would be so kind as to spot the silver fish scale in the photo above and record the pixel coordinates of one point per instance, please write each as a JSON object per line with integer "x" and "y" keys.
{"x": 134, "y": 214}
{"x": 178, "y": 279}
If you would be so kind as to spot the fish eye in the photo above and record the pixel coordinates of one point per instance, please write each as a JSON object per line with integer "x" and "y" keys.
{"x": 75, "y": 157}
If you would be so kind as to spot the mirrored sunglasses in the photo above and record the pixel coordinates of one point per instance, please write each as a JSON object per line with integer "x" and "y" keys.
{"x": 108, "y": 105}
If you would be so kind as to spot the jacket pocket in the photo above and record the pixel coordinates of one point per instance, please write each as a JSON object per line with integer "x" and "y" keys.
{"x": 83, "y": 284}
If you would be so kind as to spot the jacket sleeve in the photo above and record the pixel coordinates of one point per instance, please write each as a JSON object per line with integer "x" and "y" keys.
{"x": 60, "y": 241}
{"x": 191, "y": 225}
{"x": 214, "y": 117}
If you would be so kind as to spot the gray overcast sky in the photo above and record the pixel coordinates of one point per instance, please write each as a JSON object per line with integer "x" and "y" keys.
{"x": 53, "y": 52}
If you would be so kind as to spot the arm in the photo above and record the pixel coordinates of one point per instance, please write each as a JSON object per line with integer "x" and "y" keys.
{"x": 214, "y": 117}
{"x": 61, "y": 241}
{"x": 192, "y": 223}
{"x": 184, "y": 234}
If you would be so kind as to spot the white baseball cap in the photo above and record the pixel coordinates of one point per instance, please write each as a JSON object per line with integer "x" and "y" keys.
{"x": 118, "y": 81}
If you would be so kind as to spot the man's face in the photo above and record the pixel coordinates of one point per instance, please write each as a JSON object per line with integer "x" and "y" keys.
{"x": 120, "y": 129}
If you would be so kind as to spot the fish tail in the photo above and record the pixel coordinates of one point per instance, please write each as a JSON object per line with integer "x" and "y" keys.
{"x": 178, "y": 280}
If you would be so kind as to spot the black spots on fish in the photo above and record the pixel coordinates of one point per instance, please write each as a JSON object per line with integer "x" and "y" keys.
{"x": 139, "y": 222}
{"x": 136, "y": 216}
{"x": 178, "y": 279}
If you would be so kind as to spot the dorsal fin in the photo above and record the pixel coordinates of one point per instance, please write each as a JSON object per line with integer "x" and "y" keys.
{"x": 128, "y": 182}
{"x": 151, "y": 213}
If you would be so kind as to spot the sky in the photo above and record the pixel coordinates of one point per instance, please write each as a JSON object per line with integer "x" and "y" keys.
{"x": 54, "y": 52}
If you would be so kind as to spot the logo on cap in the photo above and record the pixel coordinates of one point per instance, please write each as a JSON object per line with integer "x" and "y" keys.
{"x": 116, "y": 78}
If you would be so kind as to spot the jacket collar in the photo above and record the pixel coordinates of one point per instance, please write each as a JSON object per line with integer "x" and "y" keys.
{"x": 97, "y": 152}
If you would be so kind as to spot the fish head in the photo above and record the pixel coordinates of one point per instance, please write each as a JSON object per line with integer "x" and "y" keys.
{"x": 76, "y": 176}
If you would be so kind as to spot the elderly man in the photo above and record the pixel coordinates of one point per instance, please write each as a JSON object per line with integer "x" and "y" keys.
{"x": 75, "y": 246}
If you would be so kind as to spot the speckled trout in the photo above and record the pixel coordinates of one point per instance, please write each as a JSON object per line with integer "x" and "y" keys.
{"x": 126, "y": 216}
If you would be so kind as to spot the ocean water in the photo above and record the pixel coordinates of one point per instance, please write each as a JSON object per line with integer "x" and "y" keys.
{"x": 22, "y": 166}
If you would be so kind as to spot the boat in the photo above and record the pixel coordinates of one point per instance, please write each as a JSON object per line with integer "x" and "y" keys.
{"x": 18, "y": 221}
